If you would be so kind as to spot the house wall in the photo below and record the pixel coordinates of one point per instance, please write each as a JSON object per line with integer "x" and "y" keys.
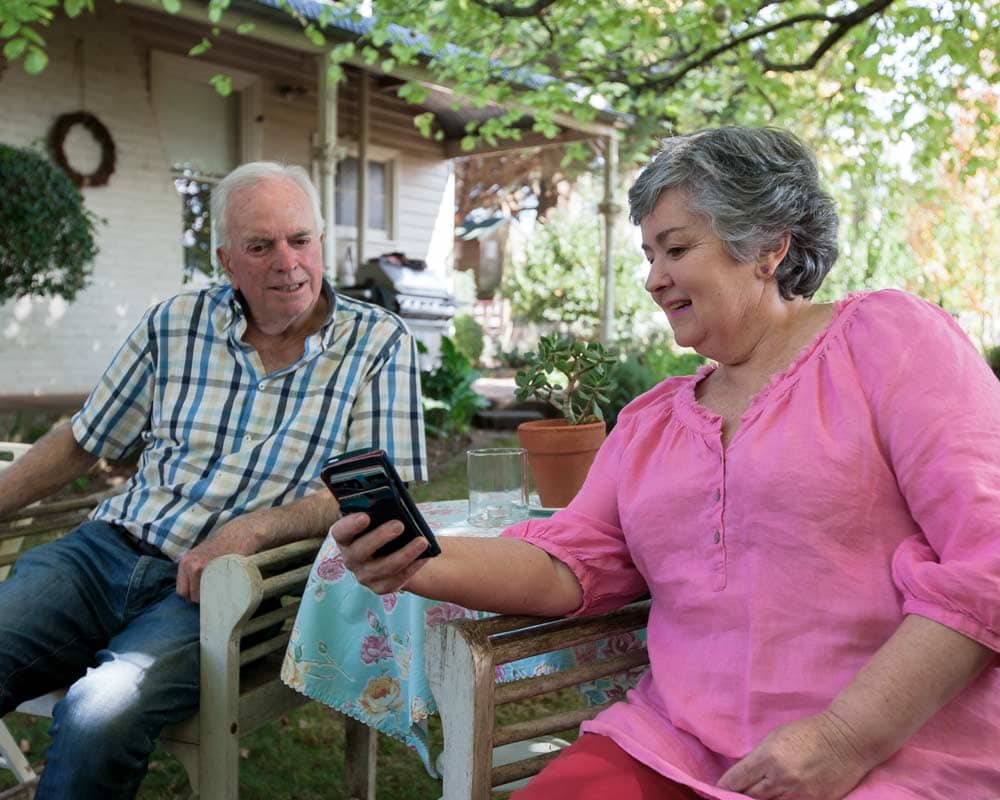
{"x": 46, "y": 345}
{"x": 51, "y": 349}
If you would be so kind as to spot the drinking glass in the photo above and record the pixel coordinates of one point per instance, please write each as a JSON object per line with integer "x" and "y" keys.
{"x": 498, "y": 486}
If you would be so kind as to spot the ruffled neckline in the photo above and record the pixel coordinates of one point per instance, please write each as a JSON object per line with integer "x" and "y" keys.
{"x": 686, "y": 403}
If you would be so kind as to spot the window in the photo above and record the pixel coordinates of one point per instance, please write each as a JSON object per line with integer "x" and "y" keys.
{"x": 382, "y": 190}
{"x": 205, "y": 135}
{"x": 379, "y": 211}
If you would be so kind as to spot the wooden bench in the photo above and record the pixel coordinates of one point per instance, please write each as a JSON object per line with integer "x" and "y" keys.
{"x": 240, "y": 685}
{"x": 461, "y": 658}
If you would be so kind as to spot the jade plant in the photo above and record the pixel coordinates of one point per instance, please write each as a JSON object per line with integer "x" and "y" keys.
{"x": 47, "y": 243}
{"x": 572, "y": 375}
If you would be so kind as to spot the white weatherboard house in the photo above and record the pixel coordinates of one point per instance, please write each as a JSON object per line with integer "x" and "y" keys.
{"x": 127, "y": 65}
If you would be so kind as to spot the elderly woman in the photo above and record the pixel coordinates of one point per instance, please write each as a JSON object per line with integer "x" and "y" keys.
{"x": 815, "y": 515}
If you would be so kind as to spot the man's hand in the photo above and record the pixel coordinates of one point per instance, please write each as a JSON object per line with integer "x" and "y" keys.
{"x": 230, "y": 538}
{"x": 816, "y": 758}
{"x": 381, "y": 575}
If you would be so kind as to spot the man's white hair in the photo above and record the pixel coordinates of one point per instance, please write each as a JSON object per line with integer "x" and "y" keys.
{"x": 248, "y": 176}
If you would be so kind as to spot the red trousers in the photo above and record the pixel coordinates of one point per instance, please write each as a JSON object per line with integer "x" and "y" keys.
{"x": 595, "y": 768}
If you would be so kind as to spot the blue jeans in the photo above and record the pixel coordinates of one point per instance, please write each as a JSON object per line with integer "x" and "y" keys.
{"x": 90, "y": 612}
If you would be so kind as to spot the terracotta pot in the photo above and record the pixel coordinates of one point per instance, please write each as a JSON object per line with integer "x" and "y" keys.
{"x": 559, "y": 456}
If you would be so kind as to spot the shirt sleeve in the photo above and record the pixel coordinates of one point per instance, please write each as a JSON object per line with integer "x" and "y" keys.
{"x": 118, "y": 410}
{"x": 587, "y": 535}
{"x": 387, "y": 412}
{"x": 936, "y": 405}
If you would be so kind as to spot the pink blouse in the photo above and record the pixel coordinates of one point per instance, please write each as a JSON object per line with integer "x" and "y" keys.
{"x": 862, "y": 485}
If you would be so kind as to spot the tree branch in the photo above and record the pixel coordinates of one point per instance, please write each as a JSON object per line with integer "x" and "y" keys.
{"x": 510, "y": 11}
{"x": 843, "y": 23}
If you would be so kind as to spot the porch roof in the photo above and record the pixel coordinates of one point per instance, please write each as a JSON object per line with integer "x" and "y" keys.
{"x": 272, "y": 23}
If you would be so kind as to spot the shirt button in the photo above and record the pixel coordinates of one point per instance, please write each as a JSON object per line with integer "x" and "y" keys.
{"x": 248, "y": 438}
{"x": 262, "y": 386}
{"x": 718, "y": 495}
{"x": 715, "y": 537}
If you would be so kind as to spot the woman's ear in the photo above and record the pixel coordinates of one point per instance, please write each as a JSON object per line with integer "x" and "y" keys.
{"x": 768, "y": 262}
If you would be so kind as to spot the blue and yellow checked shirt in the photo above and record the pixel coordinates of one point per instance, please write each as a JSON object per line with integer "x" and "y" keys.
{"x": 220, "y": 438}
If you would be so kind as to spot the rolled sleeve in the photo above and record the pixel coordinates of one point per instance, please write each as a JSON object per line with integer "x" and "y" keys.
{"x": 587, "y": 535}
{"x": 118, "y": 410}
{"x": 938, "y": 413}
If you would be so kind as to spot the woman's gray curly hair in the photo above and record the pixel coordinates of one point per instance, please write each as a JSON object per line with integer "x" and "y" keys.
{"x": 753, "y": 185}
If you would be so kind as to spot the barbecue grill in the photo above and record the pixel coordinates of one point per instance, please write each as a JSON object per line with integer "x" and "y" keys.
{"x": 406, "y": 287}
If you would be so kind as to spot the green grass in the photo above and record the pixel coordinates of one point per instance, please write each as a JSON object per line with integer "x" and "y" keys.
{"x": 301, "y": 755}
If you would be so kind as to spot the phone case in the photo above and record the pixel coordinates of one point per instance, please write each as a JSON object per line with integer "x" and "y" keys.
{"x": 366, "y": 481}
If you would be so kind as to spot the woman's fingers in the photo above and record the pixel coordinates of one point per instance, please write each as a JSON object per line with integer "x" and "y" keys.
{"x": 384, "y": 574}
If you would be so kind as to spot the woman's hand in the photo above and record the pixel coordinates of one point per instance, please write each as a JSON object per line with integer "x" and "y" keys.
{"x": 381, "y": 575}
{"x": 816, "y": 758}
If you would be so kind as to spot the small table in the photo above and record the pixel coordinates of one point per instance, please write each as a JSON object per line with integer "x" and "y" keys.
{"x": 363, "y": 654}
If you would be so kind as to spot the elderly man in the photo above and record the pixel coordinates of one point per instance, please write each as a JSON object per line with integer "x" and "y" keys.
{"x": 235, "y": 394}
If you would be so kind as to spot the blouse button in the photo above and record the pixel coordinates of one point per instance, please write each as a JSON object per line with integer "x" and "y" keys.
{"x": 716, "y": 537}
{"x": 718, "y": 495}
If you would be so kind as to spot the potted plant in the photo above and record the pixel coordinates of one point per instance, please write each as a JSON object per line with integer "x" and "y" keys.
{"x": 574, "y": 376}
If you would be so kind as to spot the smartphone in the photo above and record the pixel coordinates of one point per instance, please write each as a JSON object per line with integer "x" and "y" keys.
{"x": 366, "y": 481}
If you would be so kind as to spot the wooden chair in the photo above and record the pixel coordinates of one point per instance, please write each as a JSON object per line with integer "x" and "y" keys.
{"x": 461, "y": 659}
{"x": 241, "y": 689}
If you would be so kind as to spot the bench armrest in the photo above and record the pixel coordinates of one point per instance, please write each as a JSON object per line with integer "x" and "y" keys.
{"x": 461, "y": 660}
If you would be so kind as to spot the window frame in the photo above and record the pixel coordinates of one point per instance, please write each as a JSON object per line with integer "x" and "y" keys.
{"x": 390, "y": 158}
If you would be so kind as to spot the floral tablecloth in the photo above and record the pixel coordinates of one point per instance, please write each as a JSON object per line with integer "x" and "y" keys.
{"x": 363, "y": 654}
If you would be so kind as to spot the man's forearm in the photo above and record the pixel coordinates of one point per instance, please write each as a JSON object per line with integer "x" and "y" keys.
{"x": 916, "y": 672}
{"x": 311, "y": 516}
{"x": 51, "y": 463}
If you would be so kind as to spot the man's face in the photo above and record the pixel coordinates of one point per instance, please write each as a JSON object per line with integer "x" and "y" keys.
{"x": 274, "y": 255}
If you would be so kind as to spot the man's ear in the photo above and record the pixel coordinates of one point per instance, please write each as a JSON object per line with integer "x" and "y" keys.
{"x": 768, "y": 262}
{"x": 222, "y": 254}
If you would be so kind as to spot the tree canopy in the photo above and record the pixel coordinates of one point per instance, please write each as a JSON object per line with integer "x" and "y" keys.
{"x": 892, "y": 68}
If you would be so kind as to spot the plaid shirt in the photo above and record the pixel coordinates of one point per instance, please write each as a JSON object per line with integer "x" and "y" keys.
{"x": 220, "y": 438}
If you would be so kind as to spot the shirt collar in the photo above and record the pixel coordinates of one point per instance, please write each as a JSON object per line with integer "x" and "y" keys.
{"x": 229, "y": 316}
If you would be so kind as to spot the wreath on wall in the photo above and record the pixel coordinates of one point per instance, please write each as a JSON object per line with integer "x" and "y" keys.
{"x": 57, "y": 141}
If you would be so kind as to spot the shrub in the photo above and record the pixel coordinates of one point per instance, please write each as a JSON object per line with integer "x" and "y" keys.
{"x": 46, "y": 234}
{"x": 640, "y": 369}
{"x": 469, "y": 337}
{"x": 449, "y": 401}
{"x": 993, "y": 359}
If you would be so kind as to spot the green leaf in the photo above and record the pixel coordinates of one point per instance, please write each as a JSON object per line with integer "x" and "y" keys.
{"x": 223, "y": 84}
{"x": 244, "y": 28}
{"x": 36, "y": 61}
{"x": 202, "y": 46}
{"x": 172, "y": 6}
{"x": 74, "y": 7}
{"x": 32, "y": 37}
{"x": 314, "y": 35}
{"x": 13, "y": 49}
{"x": 388, "y": 64}
{"x": 9, "y": 28}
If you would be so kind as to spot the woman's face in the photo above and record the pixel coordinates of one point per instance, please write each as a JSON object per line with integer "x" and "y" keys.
{"x": 709, "y": 297}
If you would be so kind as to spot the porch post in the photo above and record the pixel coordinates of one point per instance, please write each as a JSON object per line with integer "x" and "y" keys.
{"x": 609, "y": 210}
{"x": 326, "y": 155}
{"x": 363, "y": 132}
